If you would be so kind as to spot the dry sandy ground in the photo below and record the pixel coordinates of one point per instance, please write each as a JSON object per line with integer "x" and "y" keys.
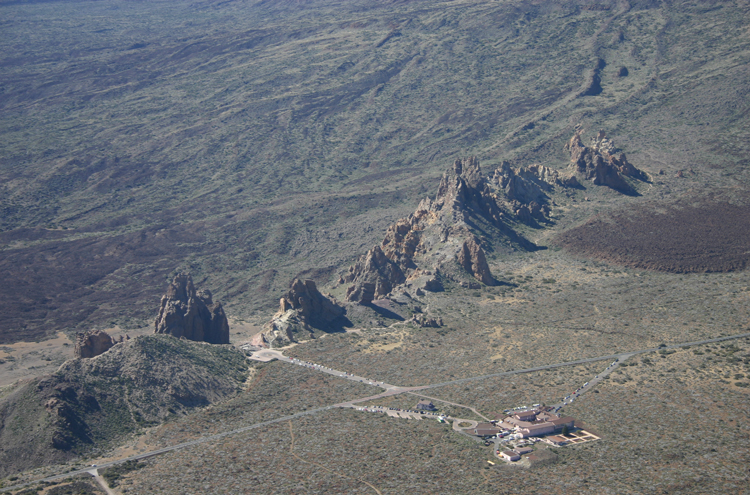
{"x": 24, "y": 361}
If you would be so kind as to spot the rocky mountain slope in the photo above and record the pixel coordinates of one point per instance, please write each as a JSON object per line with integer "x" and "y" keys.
{"x": 89, "y": 403}
{"x": 473, "y": 212}
{"x": 254, "y": 142}
{"x": 446, "y": 237}
{"x": 441, "y": 232}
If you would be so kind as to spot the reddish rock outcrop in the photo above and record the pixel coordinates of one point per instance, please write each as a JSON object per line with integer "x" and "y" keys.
{"x": 472, "y": 258}
{"x": 302, "y": 309}
{"x": 374, "y": 275}
{"x": 599, "y": 163}
{"x": 190, "y": 314}
{"x": 313, "y": 307}
{"x": 92, "y": 344}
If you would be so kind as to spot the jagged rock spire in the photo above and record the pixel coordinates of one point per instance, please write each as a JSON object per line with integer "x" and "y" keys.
{"x": 190, "y": 314}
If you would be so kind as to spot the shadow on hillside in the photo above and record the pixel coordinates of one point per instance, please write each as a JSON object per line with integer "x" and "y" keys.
{"x": 384, "y": 312}
{"x": 339, "y": 325}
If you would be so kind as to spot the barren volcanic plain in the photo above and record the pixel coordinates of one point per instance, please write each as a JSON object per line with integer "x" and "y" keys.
{"x": 437, "y": 170}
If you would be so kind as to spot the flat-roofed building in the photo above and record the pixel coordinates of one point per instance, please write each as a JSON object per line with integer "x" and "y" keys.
{"x": 486, "y": 430}
{"x": 510, "y": 455}
{"x": 562, "y": 422}
{"x": 537, "y": 430}
{"x": 529, "y": 415}
{"x": 506, "y": 425}
{"x": 555, "y": 440}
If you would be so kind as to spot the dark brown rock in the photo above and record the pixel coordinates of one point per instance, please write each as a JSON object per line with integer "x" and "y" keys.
{"x": 303, "y": 309}
{"x": 315, "y": 308}
{"x": 92, "y": 344}
{"x": 190, "y": 314}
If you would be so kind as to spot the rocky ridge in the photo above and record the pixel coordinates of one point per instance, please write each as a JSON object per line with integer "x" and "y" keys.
{"x": 470, "y": 208}
{"x": 446, "y": 238}
{"x": 437, "y": 233}
{"x": 600, "y": 163}
{"x": 90, "y": 402}
{"x": 190, "y": 314}
{"x": 524, "y": 191}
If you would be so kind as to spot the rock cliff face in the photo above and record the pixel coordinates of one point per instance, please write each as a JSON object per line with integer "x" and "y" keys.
{"x": 523, "y": 191}
{"x": 375, "y": 274}
{"x": 302, "y": 310}
{"x": 436, "y": 233}
{"x": 92, "y": 344}
{"x": 190, "y": 314}
{"x": 471, "y": 257}
{"x": 463, "y": 191}
{"x": 599, "y": 163}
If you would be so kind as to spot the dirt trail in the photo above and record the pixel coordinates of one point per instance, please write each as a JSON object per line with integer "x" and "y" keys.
{"x": 291, "y": 451}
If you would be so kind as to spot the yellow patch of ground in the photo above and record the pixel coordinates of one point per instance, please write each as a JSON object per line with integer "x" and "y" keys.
{"x": 15, "y": 350}
{"x": 384, "y": 347}
{"x": 397, "y": 339}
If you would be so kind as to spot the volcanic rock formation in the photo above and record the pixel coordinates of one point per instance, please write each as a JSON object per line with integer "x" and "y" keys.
{"x": 523, "y": 191}
{"x": 423, "y": 321}
{"x": 376, "y": 274}
{"x": 438, "y": 232}
{"x": 190, "y": 314}
{"x": 471, "y": 257}
{"x": 599, "y": 163}
{"x": 593, "y": 83}
{"x": 302, "y": 309}
{"x": 92, "y": 344}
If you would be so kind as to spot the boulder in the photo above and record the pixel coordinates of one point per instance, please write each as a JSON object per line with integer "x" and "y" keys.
{"x": 423, "y": 321}
{"x": 92, "y": 343}
{"x": 190, "y": 314}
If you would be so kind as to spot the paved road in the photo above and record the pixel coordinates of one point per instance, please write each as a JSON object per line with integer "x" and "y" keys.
{"x": 453, "y": 404}
{"x": 271, "y": 354}
{"x": 594, "y": 381}
{"x": 587, "y": 360}
{"x": 390, "y": 390}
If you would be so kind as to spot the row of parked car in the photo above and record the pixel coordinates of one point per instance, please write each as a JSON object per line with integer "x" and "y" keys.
{"x": 571, "y": 397}
{"x": 343, "y": 374}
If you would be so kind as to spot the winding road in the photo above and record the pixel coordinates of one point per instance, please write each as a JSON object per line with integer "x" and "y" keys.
{"x": 266, "y": 355}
